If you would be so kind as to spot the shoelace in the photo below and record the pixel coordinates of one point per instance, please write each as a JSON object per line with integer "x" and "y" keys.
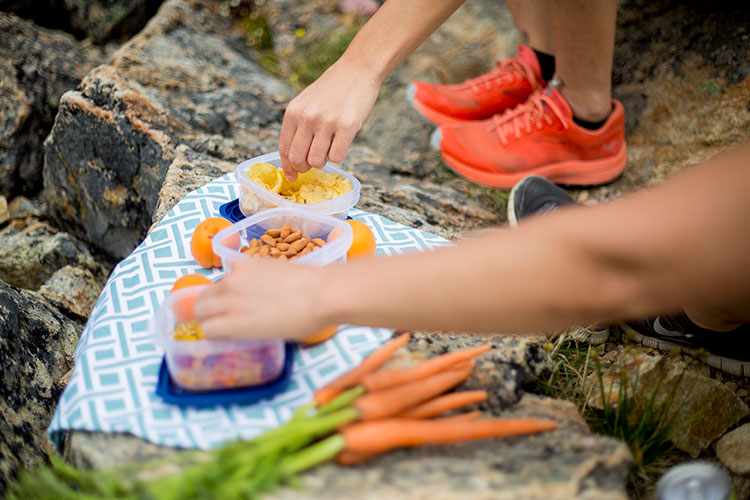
{"x": 526, "y": 116}
{"x": 508, "y": 70}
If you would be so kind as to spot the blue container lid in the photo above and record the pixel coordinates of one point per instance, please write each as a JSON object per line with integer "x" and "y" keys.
{"x": 170, "y": 392}
{"x": 231, "y": 211}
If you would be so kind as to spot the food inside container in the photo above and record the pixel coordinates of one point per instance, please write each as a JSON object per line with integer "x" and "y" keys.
{"x": 198, "y": 364}
{"x": 284, "y": 243}
{"x": 317, "y": 240}
{"x": 327, "y": 191}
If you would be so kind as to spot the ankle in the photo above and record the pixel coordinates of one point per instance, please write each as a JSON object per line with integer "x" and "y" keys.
{"x": 588, "y": 106}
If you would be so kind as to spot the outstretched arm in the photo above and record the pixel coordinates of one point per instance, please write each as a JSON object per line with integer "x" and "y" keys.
{"x": 322, "y": 120}
{"x": 683, "y": 243}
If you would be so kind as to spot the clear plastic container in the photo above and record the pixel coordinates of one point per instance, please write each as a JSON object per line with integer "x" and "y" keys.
{"x": 255, "y": 198}
{"x": 201, "y": 365}
{"x": 310, "y": 224}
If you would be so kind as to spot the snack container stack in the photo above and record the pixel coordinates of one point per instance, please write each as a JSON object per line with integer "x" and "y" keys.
{"x": 336, "y": 232}
{"x": 201, "y": 365}
{"x": 255, "y": 198}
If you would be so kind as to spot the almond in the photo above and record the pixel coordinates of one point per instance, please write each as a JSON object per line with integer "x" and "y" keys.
{"x": 275, "y": 252}
{"x": 254, "y": 243}
{"x": 282, "y": 246}
{"x": 318, "y": 242}
{"x": 264, "y": 251}
{"x": 293, "y": 237}
{"x": 298, "y": 245}
{"x": 268, "y": 240}
{"x": 253, "y": 250}
{"x": 274, "y": 233}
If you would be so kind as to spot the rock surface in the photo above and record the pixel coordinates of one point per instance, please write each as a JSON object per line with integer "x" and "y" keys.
{"x": 36, "y": 67}
{"x": 4, "y": 212}
{"x": 185, "y": 79}
{"x": 733, "y": 449}
{"x": 37, "y": 345}
{"x": 32, "y": 251}
{"x": 73, "y": 290}
{"x": 98, "y": 20}
{"x": 704, "y": 408}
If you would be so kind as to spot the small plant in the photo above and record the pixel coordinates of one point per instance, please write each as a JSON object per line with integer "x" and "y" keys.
{"x": 646, "y": 426}
{"x": 644, "y": 422}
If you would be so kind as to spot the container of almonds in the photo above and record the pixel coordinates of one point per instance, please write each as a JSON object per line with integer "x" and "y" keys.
{"x": 287, "y": 234}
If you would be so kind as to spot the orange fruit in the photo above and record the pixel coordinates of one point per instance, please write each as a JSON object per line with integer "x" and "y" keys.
{"x": 183, "y": 308}
{"x": 201, "y": 242}
{"x": 319, "y": 336}
{"x": 363, "y": 243}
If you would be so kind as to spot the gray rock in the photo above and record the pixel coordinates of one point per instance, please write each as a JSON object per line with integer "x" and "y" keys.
{"x": 73, "y": 290}
{"x": 188, "y": 171}
{"x": 703, "y": 408}
{"x": 36, "y": 67}
{"x": 185, "y": 79}
{"x": 4, "y": 212}
{"x": 98, "y": 20}
{"x": 21, "y": 207}
{"x": 37, "y": 345}
{"x": 732, "y": 450}
{"x": 31, "y": 251}
{"x": 502, "y": 372}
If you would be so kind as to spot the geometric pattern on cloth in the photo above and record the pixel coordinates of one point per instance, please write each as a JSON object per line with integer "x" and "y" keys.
{"x": 113, "y": 385}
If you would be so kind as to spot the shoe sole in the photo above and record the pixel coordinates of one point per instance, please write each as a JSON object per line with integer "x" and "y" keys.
{"x": 572, "y": 172}
{"x": 430, "y": 115}
{"x": 728, "y": 365}
{"x": 511, "y": 207}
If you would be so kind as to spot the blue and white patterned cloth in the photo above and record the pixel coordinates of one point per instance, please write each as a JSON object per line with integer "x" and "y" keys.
{"x": 117, "y": 362}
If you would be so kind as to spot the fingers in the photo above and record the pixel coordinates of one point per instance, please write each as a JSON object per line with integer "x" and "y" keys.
{"x": 340, "y": 145}
{"x": 319, "y": 149}
{"x": 288, "y": 128}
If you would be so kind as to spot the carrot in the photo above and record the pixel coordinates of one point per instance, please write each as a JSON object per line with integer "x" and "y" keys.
{"x": 389, "y": 378}
{"x": 349, "y": 457}
{"x": 353, "y": 377}
{"x": 390, "y": 402}
{"x": 445, "y": 403}
{"x": 383, "y": 435}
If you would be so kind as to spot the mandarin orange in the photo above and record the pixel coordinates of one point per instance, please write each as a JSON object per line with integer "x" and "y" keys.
{"x": 201, "y": 242}
{"x": 363, "y": 242}
{"x": 183, "y": 308}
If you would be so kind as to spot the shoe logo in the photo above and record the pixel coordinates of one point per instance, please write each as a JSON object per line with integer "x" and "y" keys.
{"x": 661, "y": 330}
{"x": 610, "y": 147}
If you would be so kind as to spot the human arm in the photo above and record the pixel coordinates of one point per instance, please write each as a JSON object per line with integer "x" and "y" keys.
{"x": 683, "y": 243}
{"x": 322, "y": 120}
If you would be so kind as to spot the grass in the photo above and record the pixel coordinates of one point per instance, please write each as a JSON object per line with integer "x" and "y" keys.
{"x": 645, "y": 422}
{"x": 308, "y": 56}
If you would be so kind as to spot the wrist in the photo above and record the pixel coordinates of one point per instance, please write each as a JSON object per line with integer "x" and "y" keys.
{"x": 364, "y": 63}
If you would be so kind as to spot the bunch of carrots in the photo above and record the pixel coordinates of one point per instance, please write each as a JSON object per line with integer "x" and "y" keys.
{"x": 362, "y": 414}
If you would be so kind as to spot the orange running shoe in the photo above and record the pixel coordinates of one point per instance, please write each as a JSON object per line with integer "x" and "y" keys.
{"x": 536, "y": 138}
{"x": 510, "y": 84}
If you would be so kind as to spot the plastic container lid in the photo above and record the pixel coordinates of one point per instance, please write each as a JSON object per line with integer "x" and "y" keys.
{"x": 255, "y": 198}
{"x": 170, "y": 392}
{"x": 311, "y": 224}
{"x": 200, "y": 365}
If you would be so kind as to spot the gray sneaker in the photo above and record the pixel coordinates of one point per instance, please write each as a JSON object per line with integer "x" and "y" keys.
{"x": 534, "y": 195}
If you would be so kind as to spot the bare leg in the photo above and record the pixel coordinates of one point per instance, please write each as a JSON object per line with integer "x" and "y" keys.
{"x": 716, "y": 319}
{"x": 584, "y": 42}
{"x": 532, "y": 18}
